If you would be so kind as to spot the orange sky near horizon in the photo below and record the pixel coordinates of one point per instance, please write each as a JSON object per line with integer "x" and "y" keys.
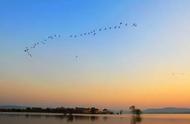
{"x": 148, "y": 90}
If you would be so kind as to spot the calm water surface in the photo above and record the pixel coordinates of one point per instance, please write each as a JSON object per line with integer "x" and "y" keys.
{"x": 27, "y": 118}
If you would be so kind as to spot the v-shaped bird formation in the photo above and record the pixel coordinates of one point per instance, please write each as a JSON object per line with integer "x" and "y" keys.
{"x": 92, "y": 32}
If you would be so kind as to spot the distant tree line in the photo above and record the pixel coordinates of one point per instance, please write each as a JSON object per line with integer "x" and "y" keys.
{"x": 63, "y": 110}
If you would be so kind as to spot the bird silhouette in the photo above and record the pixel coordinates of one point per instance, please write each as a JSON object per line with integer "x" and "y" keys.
{"x": 50, "y": 37}
{"x": 134, "y": 24}
{"x": 27, "y": 51}
{"x": 76, "y": 58}
{"x": 30, "y": 54}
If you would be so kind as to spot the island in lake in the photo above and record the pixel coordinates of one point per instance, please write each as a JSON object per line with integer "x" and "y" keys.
{"x": 76, "y": 110}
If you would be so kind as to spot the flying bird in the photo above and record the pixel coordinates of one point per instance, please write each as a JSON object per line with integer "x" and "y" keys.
{"x": 50, "y": 37}
{"x": 29, "y": 54}
{"x": 76, "y": 58}
{"x": 27, "y": 51}
{"x": 134, "y": 24}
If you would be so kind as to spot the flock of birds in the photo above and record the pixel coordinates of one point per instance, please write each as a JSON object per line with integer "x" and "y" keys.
{"x": 43, "y": 42}
{"x": 93, "y": 32}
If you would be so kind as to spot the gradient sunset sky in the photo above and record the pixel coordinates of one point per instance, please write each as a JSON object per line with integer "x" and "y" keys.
{"x": 146, "y": 66}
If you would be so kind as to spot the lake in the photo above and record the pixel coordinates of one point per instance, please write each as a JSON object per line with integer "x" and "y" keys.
{"x": 36, "y": 118}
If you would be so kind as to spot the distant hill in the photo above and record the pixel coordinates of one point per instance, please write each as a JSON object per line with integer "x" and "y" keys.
{"x": 167, "y": 110}
{"x": 12, "y": 107}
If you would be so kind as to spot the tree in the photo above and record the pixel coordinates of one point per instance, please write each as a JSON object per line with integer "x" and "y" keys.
{"x": 121, "y": 112}
{"x": 135, "y": 111}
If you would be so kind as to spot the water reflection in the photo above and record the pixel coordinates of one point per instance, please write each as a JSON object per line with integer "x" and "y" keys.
{"x": 135, "y": 119}
{"x": 71, "y": 118}
{"x": 31, "y": 118}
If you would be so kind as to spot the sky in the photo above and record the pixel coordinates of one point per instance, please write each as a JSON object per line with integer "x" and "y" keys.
{"x": 147, "y": 66}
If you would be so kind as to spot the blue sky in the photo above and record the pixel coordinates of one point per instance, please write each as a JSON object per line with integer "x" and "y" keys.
{"x": 159, "y": 45}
